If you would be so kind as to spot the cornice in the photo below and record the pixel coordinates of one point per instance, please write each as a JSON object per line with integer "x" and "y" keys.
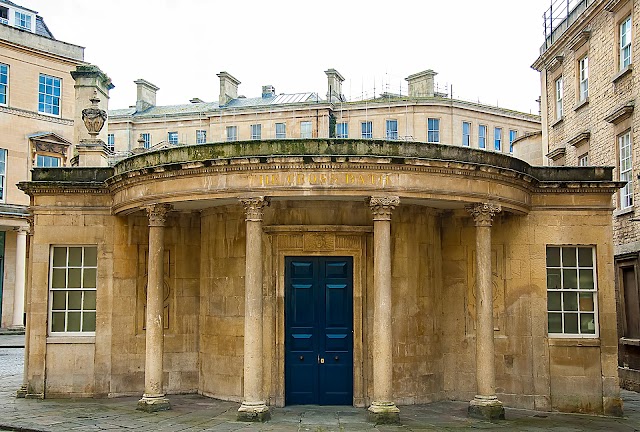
{"x": 579, "y": 138}
{"x": 557, "y": 153}
{"x": 35, "y": 115}
{"x": 621, "y": 113}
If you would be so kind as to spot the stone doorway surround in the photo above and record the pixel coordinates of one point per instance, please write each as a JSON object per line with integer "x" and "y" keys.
{"x": 317, "y": 240}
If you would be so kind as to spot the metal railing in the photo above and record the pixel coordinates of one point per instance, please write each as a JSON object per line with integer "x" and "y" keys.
{"x": 559, "y": 17}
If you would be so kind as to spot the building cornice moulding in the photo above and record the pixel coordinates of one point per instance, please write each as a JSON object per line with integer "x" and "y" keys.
{"x": 34, "y": 115}
{"x": 579, "y": 138}
{"x": 621, "y": 113}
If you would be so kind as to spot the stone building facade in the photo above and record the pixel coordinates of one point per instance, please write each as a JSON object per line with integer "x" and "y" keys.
{"x": 367, "y": 272}
{"x": 589, "y": 90}
{"x": 37, "y": 109}
{"x": 423, "y": 115}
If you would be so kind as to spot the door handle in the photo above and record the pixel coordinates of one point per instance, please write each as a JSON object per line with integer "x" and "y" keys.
{"x": 301, "y": 358}
{"x": 336, "y": 358}
{"x": 320, "y": 360}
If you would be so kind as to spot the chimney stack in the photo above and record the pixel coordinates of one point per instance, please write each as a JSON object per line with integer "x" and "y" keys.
{"x": 268, "y": 91}
{"x": 421, "y": 84}
{"x": 146, "y": 95}
{"x": 228, "y": 88}
{"x": 334, "y": 86}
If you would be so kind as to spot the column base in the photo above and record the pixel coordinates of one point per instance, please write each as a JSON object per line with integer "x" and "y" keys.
{"x": 21, "y": 393}
{"x": 254, "y": 412}
{"x": 486, "y": 407}
{"x": 153, "y": 404}
{"x": 383, "y": 413}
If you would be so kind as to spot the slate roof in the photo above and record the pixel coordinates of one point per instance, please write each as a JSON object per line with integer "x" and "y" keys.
{"x": 196, "y": 108}
{"x": 10, "y": 3}
{"x": 42, "y": 29}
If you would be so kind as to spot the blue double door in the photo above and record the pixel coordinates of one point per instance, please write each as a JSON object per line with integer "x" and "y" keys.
{"x": 319, "y": 330}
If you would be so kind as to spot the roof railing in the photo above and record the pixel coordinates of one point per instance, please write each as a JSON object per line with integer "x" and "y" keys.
{"x": 559, "y": 17}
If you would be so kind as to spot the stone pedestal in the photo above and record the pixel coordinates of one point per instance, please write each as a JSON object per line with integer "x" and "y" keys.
{"x": 485, "y": 404}
{"x": 153, "y": 398}
{"x": 92, "y": 153}
{"x": 253, "y": 406}
{"x": 383, "y": 410}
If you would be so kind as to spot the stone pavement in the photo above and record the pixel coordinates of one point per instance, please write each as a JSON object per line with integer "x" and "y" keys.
{"x": 196, "y": 413}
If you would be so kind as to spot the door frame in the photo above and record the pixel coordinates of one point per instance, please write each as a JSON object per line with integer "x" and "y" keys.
{"x": 316, "y": 240}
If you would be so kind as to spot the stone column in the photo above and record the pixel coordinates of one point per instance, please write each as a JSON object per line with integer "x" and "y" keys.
{"x": 253, "y": 406}
{"x": 22, "y": 391}
{"x": 485, "y": 404}
{"x": 21, "y": 261}
{"x": 382, "y": 409}
{"x": 153, "y": 398}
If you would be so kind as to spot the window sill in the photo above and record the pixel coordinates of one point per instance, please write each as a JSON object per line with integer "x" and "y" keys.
{"x": 624, "y": 72}
{"x": 557, "y": 122}
{"x": 560, "y": 341}
{"x": 629, "y": 341}
{"x": 71, "y": 339}
{"x": 622, "y": 212}
{"x": 581, "y": 104}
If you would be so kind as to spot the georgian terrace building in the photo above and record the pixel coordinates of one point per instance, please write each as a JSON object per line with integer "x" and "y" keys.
{"x": 366, "y": 272}
{"x": 424, "y": 115}
{"x": 589, "y": 89}
{"x": 37, "y": 109}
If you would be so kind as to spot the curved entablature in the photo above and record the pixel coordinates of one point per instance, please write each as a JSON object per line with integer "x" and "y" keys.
{"x": 200, "y": 176}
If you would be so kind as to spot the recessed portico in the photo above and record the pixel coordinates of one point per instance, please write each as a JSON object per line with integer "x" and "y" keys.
{"x": 395, "y": 211}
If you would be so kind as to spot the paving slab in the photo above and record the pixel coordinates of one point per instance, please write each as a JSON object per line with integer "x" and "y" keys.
{"x": 194, "y": 413}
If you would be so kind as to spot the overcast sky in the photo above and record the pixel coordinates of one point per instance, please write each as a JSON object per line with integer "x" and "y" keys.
{"x": 484, "y": 49}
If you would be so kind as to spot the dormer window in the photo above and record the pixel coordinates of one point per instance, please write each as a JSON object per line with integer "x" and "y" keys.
{"x": 4, "y": 15}
{"x": 23, "y": 21}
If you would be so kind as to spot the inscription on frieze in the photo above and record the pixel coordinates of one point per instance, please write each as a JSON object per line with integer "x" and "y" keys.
{"x": 320, "y": 179}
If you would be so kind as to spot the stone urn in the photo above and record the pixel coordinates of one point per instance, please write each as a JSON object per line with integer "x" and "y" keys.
{"x": 94, "y": 117}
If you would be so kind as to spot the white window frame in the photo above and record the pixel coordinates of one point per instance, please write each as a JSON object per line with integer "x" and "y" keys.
{"x": 482, "y": 136}
{"x": 366, "y": 130}
{"x": 306, "y": 130}
{"x": 232, "y": 133}
{"x": 625, "y": 168}
{"x": 3, "y": 175}
{"x": 513, "y": 135}
{"x": 48, "y": 100}
{"x": 342, "y": 130}
{"x": 433, "y": 130}
{"x": 147, "y": 140}
{"x": 391, "y": 130}
{"x": 497, "y": 139}
{"x": 44, "y": 161}
{"x": 559, "y": 85}
{"x": 625, "y": 43}
{"x": 111, "y": 142}
{"x": 172, "y": 137}
{"x": 281, "y": 130}
{"x": 256, "y": 131}
{"x": 201, "y": 136}
{"x": 4, "y": 84}
{"x": 21, "y": 18}
{"x": 466, "y": 137}
{"x": 583, "y": 160}
{"x": 559, "y": 281}
{"x": 85, "y": 277}
{"x": 583, "y": 67}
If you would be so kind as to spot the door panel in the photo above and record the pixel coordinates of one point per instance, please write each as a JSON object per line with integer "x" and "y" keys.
{"x": 319, "y": 330}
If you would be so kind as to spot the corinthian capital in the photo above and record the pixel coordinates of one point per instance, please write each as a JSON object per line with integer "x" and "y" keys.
{"x": 382, "y": 206}
{"x": 158, "y": 214}
{"x": 483, "y": 213}
{"x": 254, "y": 207}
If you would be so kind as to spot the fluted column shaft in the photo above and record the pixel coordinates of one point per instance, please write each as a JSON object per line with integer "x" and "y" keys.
{"x": 21, "y": 260}
{"x": 485, "y": 404}
{"x": 153, "y": 398}
{"x": 383, "y": 406}
{"x": 253, "y": 406}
